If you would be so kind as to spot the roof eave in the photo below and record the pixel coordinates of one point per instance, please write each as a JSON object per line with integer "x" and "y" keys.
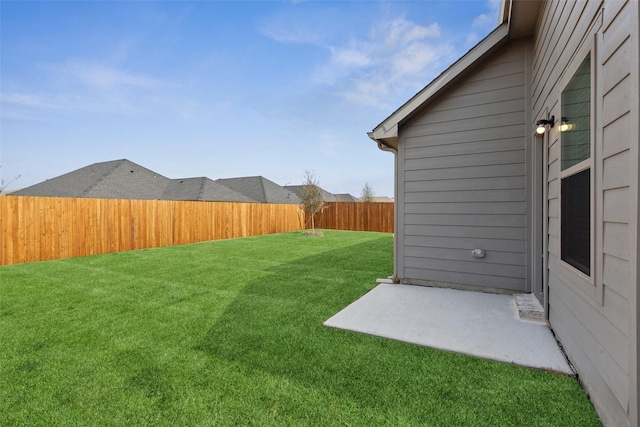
{"x": 387, "y": 139}
{"x": 387, "y": 131}
{"x": 505, "y": 11}
{"x": 522, "y": 16}
{"x": 517, "y": 18}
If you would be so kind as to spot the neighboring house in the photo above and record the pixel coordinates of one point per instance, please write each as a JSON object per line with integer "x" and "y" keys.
{"x": 260, "y": 189}
{"x": 556, "y": 213}
{"x": 201, "y": 189}
{"x": 117, "y": 179}
{"x": 297, "y": 190}
{"x": 123, "y": 179}
{"x": 346, "y": 197}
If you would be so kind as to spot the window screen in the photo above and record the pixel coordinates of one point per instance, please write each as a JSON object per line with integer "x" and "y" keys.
{"x": 575, "y": 189}
{"x": 576, "y": 117}
{"x": 576, "y": 221}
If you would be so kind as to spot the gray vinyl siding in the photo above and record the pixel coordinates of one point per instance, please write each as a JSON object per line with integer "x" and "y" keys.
{"x": 462, "y": 181}
{"x": 592, "y": 320}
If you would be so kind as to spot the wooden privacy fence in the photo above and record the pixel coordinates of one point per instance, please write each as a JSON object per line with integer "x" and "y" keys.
{"x": 44, "y": 228}
{"x": 356, "y": 216}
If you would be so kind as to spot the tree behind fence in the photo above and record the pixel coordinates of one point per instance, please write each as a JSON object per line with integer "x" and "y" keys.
{"x": 45, "y": 228}
{"x": 357, "y": 216}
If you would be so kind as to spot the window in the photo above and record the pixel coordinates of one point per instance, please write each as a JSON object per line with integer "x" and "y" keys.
{"x": 575, "y": 175}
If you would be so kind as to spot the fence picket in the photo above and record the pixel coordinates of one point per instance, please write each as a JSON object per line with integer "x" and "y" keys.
{"x": 44, "y": 228}
{"x": 356, "y": 216}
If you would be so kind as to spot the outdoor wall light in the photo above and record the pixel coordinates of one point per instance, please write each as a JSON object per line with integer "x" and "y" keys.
{"x": 543, "y": 123}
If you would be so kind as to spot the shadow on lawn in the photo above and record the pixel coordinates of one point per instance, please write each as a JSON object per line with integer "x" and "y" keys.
{"x": 274, "y": 329}
{"x": 275, "y": 323}
{"x": 274, "y": 326}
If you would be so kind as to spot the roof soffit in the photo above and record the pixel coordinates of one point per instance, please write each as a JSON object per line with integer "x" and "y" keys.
{"x": 523, "y": 17}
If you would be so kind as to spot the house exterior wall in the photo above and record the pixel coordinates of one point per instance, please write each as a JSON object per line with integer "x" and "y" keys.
{"x": 595, "y": 317}
{"x": 462, "y": 181}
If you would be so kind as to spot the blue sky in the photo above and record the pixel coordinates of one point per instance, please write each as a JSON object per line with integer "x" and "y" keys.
{"x": 220, "y": 88}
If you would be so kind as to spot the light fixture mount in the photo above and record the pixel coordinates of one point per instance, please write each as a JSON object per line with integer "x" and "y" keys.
{"x": 541, "y": 125}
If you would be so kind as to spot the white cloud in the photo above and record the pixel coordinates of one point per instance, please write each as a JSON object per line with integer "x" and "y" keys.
{"x": 351, "y": 57}
{"x": 494, "y": 5}
{"x": 489, "y": 20}
{"x": 395, "y": 55}
{"x": 284, "y": 29}
{"x": 415, "y": 58}
{"x": 85, "y": 86}
{"x": 398, "y": 56}
{"x": 354, "y": 57}
{"x": 19, "y": 104}
{"x": 25, "y": 99}
{"x": 402, "y": 31}
{"x": 395, "y": 59}
{"x": 369, "y": 91}
{"x": 291, "y": 34}
{"x": 484, "y": 21}
{"x": 99, "y": 76}
{"x": 47, "y": 101}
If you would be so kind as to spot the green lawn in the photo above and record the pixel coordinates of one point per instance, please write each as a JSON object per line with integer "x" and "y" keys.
{"x": 230, "y": 333}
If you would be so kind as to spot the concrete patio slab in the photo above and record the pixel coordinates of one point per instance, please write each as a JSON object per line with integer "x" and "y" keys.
{"x": 473, "y": 323}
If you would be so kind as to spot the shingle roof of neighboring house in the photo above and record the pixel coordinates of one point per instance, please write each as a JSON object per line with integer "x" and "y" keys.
{"x": 202, "y": 189}
{"x": 346, "y": 197}
{"x": 124, "y": 179}
{"x": 260, "y": 189}
{"x": 117, "y": 179}
{"x": 297, "y": 190}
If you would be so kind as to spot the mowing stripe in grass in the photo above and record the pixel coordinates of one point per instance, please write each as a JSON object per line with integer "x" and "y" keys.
{"x": 230, "y": 333}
